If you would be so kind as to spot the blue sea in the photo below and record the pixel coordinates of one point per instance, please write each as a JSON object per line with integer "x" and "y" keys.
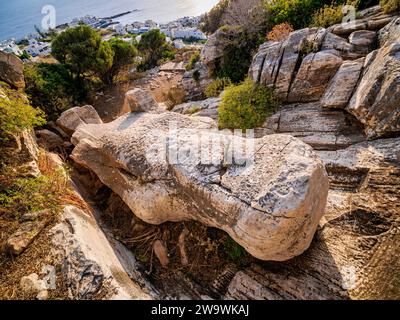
{"x": 18, "y": 17}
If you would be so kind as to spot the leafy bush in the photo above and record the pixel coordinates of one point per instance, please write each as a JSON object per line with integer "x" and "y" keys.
{"x": 327, "y": 16}
{"x": 297, "y": 13}
{"x": 389, "y": 6}
{"x": 154, "y": 48}
{"x": 123, "y": 54}
{"x": 84, "y": 54}
{"x": 16, "y": 114}
{"x": 246, "y": 106}
{"x": 215, "y": 88}
{"x": 280, "y": 32}
{"x": 331, "y": 14}
{"x": 78, "y": 49}
{"x": 238, "y": 49}
{"x": 234, "y": 251}
{"x": 193, "y": 60}
{"x": 51, "y": 88}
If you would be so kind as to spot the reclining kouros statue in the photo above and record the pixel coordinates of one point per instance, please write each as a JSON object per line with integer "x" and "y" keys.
{"x": 268, "y": 194}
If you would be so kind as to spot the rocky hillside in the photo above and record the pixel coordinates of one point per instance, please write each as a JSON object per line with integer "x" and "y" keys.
{"x": 159, "y": 205}
{"x": 340, "y": 90}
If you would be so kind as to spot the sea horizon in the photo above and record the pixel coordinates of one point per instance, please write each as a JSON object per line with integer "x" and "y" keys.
{"x": 14, "y": 21}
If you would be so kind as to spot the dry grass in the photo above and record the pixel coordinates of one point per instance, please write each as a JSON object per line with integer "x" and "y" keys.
{"x": 280, "y": 32}
{"x": 51, "y": 191}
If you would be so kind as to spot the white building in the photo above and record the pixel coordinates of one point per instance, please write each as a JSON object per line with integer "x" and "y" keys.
{"x": 167, "y": 32}
{"x": 188, "y": 33}
{"x": 120, "y": 29}
{"x": 36, "y": 48}
{"x": 178, "y": 44}
{"x": 10, "y": 47}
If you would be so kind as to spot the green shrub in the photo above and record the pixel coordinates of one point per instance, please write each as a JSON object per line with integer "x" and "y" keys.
{"x": 78, "y": 49}
{"x": 193, "y": 60}
{"x": 20, "y": 194}
{"x": 154, "y": 48}
{"x": 237, "y": 57}
{"x": 215, "y": 88}
{"x": 234, "y": 251}
{"x": 331, "y": 14}
{"x": 16, "y": 114}
{"x": 327, "y": 16}
{"x": 51, "y": 88}
{"x": 389, "y": 6}
{"x": 123, "y": 54}
{"x": 246, "y": 106}
{"x": 298, "y": 13}
{"x": 24, "y": 56}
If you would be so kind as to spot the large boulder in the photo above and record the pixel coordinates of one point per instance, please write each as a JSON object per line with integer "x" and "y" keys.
{"x": 12, "y": 70}
{"x": 355, "y": 253}
{"x": 376, "y": 101}
{"x": 72, "y": 118}
{"x": 269, "y": 200}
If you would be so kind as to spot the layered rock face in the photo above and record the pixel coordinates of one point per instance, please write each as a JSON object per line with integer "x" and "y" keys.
{"x": 338, "y": 68}
{"x": 271, "y": 204}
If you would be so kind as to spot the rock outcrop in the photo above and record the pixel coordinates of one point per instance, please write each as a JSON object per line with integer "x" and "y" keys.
{"x": 204, "y": 108}
{"x": 341, "y": 88}
{"x": 323, "y": 129}
{"x": 339, "y": 67}
{"x": 195, "y": 81}
{"x": 12, "y": 70}
{"x": 216, "y": 44}
{"x": 376, "y": 101}
{"x": 271, "y": 207}
{"x": 313, "y": 76}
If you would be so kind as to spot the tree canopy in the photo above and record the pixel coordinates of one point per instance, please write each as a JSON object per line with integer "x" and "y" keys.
{"x": 83, "y": 52}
